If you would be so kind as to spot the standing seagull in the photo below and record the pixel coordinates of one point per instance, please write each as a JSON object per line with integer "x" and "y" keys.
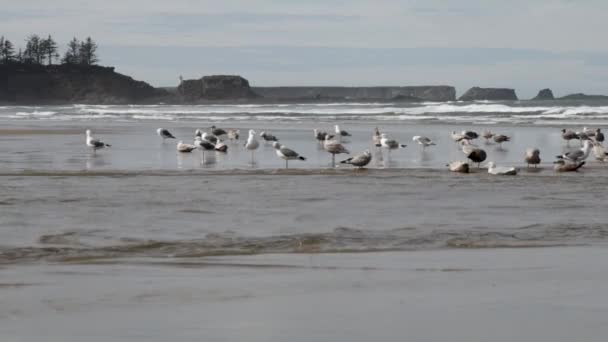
{"x": 577, "y": 155}
{"x": 360, "y": 160}
{"x": 599, "y": 136}
{"x": 500, "y": 138}
{"x": 164, "y": 133}
{"x": 204, "y": 145}
{"x": 210, "y": 138}
{"x": 319, "y": 135}
{"x": 217, "y": 131}
{"x": 390, "y": 144}
{"x": 93, "y": 143}
{"x": 333, "y": 147}
{"x": 568, "y": 135}
{"x": 474, "y": 153}
{"x": 487, "y": 135}
{"x": 532, "y": 157}
{"x": 377, "y": 137}
{"x": 424, "y": 141}
{"x": 268, "y": 137}
{"x": 233, "y": 134}
{"x": 341, "y": 133}
{"x": 252, "y": 144}
{"x": 286, "y": 153}
{"x": 600, "y": 152}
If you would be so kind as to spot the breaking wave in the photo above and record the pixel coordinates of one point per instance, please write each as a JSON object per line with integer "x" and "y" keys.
{"x": 72, "y": 246}
{"x": 459, "y": 112}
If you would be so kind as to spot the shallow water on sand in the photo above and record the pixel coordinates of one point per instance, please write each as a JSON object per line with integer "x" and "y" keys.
{"x": 159, "y": 245}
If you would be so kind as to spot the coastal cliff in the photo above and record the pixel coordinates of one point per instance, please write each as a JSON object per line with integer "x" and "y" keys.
{"x": 493, "y": 94}
{"x": 414, "y": 93}
{"x": 40, "y": 84}
{"x": 216, "y": 87}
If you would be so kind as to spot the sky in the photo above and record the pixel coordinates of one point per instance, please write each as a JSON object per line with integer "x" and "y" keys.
{"x": 527, "y": 45}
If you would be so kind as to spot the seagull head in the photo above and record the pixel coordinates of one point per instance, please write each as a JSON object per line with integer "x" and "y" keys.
{"x": 276, "y": 145}
{"x": 88, "y": 132}
{"x": 416, "y": 138}
{"x": 251, "y": 132}
{"x": 491, "y": 165}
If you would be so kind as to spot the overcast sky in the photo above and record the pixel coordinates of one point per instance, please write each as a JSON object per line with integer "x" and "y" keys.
{"x": 526, "y": 45}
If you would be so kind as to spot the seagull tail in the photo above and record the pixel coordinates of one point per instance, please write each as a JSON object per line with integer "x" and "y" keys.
{"x": 378, "y": 145}
{"x": 432, "y": 143}
{"x": 402, "y": 146}
{"x": 559, "y": 157}
{"x": 346, "y": 161}
{"x": 302, "y": 158}
{"x": 108, "y": 145}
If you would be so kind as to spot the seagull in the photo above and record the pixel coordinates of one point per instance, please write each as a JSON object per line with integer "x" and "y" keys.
{"x": 474, "y": 153}
{"x": 501, "y": 170}
{"x": 458, "y": 166}
{"x": 286, "y": 153}
{"x": 341, "y": 133}
{"x": 233, "y": 134}
{"x": 93, "y": 143}
{"x": 532, "y": 157}
{"x": 500, "y": 138}
{"x": 204, "y": 145}
{"x": 185, "y": 148}
{"x": 359, "y": 160}
{"x": 333, "y": 147}
{"x": 598, "y": 136}
{"x": 164, "y": 133}
{"x": 589, "y": 132}
{"x": 600, "y": 152}
{"x": 252, "y": 144}
{"x": 577, "y": 155}
{"x": 217, "y": 131}
{"x": 487, "y": 135}
{"x": 424, "y": 141}
{"x": 562, "y": 166}
{"x": 220, "y": 146}
{"x": 470, "y": 135}
{"x": 210, "y": 138}
{"x": 391, "y": 144}
{"x": 268, "y": 137}
{"x": 376, "y": 137}
{"x": 568, "y": 135}
{"x": 319, "y": 135}
{"x": 457, "y": 137}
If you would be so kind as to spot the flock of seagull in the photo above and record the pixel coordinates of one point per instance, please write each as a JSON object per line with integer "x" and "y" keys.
{"x": 590, "y": 140}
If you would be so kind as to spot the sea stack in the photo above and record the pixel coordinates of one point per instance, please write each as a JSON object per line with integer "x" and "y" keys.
{"x": 216, "y": 87}
{"x": 544, "y": 94}
{"x": 492, "y": 94}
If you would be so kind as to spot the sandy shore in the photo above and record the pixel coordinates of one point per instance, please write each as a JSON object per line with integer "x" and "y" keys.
{"x": 549, "y": 294}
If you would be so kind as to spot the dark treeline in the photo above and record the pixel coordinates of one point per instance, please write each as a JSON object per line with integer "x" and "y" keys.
{"x": 43, "y": 51}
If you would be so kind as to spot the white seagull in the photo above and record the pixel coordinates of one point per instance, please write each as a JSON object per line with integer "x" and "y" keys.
{"x": 333, "y": 147}
{"x": 390, "y": 144}
{"x": 185, "y": 148}
{"x": 424, "y": 141}
{"x": 93, "y": 143}
{"x": 252, "y": 144}
{"x": 501, "y": 170}
{"x": 286, "y": 153}
{"x": 164, "y": 133}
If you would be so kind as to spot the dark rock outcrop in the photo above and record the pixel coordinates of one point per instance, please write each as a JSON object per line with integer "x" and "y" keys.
{"x": 544, "y": 94}
{"x": 581, "y": 96}
{"x": 39, "y": 84}
{"x": 217, "y": 87}
{"x": 414, "y": 93}
{"x": 494, "y": 94}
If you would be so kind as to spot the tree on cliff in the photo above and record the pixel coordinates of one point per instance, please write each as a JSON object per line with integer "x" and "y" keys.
{"x": 33, "y": 50}
{"x": 72, "y": 55}
{"x": 88, "y": 52}
{"x": 49, "y": 49}
{"x": 7, "y": 50}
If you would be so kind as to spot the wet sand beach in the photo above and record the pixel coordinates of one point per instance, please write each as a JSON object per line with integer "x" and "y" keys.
{"x": 138, "y": 241}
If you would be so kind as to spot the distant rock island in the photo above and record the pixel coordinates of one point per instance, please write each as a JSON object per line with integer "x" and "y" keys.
{"x": 544, "y": 94}
{"x": 492, "y": 94}
{"x": 581, "y": 96}
{"x": 415, "y": 93}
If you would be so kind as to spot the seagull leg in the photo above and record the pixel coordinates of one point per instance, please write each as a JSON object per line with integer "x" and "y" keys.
{"x": 286, "y": 163}
{"x": 333, "y": 160}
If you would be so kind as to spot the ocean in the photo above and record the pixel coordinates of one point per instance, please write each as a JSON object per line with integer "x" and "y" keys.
{"x": 139, "y": 242}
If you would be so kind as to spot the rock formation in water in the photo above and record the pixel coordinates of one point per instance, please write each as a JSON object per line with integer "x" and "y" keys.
{"x": 581, "y": 96}
{"x": 217, "y": 87}
{"x": 413, "y": 93}
{"x": 40, "y": 84}
{"x": 493, "y": 94}
{"x": 544, "y": 94}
